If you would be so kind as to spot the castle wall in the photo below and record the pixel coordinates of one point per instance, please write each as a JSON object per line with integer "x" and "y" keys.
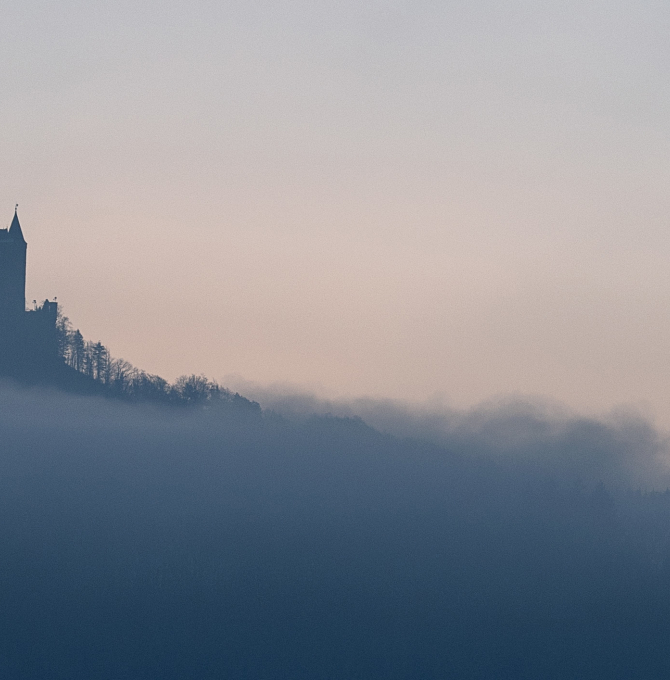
{"x": 29, "y": 344}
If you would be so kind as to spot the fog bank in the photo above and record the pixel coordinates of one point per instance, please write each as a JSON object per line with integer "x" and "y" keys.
{"x": 143, "y": 542}
{"x": 620, "y": 447}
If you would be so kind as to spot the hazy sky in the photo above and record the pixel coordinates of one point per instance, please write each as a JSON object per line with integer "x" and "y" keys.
{"x": 397, "y": 199}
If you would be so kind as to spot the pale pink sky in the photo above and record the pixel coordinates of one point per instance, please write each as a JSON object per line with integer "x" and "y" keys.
{"x": 396, "y": 199}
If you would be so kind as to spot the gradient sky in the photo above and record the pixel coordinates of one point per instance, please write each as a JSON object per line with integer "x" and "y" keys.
{"x": 394, "y": 199}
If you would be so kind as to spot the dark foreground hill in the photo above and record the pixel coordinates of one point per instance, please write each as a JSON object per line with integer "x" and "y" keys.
{"x": 142, "y": 542}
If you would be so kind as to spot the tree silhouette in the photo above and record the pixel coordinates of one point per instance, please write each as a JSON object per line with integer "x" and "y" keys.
{"x": 120, "y": 378}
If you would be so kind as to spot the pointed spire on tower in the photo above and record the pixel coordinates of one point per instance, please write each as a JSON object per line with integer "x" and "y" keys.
{"x": 15, "y": 227}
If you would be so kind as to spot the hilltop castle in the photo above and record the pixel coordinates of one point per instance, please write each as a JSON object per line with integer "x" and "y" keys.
{"x": 28, "y": 339}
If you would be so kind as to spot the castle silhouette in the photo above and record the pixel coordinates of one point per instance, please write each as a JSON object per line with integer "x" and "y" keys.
{"x": 28, "y": 338}
{"x": 39, "y": 346}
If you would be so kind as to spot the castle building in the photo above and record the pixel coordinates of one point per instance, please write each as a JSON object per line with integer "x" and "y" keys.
{"x": 13, "y": 250}
{"x": 28, "y": 339}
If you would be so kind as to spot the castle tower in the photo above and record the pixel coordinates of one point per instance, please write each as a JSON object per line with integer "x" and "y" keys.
{"x": 12, "y": 273}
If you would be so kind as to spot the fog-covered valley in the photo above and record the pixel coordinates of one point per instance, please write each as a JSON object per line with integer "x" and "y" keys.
{"x": 144, "y": 541}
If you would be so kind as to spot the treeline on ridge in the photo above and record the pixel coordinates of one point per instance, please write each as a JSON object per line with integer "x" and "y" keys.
{"x": 120, "y": 378}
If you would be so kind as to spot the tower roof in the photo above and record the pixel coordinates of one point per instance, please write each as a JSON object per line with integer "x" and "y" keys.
{"x": 15, "y": 228}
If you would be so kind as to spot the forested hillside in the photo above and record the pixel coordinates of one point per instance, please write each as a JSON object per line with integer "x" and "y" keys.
{"x": 119, "y": 378}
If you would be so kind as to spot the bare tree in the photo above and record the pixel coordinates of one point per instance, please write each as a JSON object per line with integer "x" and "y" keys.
{"x": 78, "y": 351}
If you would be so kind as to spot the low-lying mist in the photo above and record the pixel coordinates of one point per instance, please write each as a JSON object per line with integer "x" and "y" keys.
{"x": 621, "y": 449}
{"x": 512, "y": 541}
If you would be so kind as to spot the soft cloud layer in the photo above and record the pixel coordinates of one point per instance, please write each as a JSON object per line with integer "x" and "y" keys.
{"x": 621, "y": 447}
